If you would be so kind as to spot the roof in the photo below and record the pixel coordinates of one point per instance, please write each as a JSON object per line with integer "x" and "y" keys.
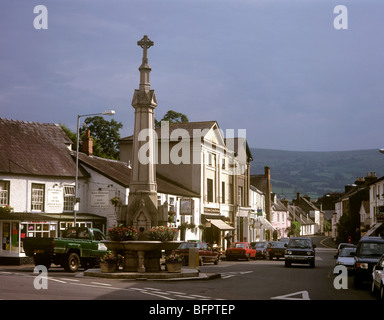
{"x": 31, "y": 148}
{"x": 189, "y": 127}
{"x": 120, "y": 172}
{"x": 117, "y": 171}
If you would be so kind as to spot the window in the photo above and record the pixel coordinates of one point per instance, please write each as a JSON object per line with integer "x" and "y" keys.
{"x": 209, "y": 190}
{"x": 37, "y": 198}
{"x": 4, "y": 192}
{"x": 222, "y": 192}
{"x": 69, "y": 198}
{"x": 223, "y": 164}
{"x": 240, "y": 196}
{"x": 211, "y": 159}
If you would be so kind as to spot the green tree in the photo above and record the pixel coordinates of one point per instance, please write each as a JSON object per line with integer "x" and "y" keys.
{"x": 106, "y": 136}
{"x": 295, "y": 229}
{"x": 172, "y": 117}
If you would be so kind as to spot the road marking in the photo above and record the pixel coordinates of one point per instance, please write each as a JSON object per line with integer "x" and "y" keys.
{"x": 67, "y": 279}
{"x": 102, "y": 284}
{"x": 304, "y": 296}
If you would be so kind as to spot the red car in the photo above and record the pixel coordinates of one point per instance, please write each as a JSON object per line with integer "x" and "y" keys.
{"x": 240, "y": 250}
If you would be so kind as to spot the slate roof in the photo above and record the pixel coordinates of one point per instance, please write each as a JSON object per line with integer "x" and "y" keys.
{"x": 31, "y": 148}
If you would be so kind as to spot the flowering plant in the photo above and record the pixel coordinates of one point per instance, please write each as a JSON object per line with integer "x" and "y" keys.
{"x": 109, "y": 258}
{"x": 162, "y": 234}
{"x": 115, "y": 201}
{"x": 6, "y": 209}
{"x": 173, "y": 258}
{"x": 122, "y": 233}
{"x": 171, "y": 216}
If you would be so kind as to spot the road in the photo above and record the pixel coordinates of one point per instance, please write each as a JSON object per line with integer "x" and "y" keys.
{"x": 240, "y": 280}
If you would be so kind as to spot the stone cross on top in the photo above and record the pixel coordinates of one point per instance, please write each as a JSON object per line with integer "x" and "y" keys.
{"x": 145, "y": 43}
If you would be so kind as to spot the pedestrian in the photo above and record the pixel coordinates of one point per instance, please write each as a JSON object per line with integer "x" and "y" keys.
{"x": 228, "y": 238}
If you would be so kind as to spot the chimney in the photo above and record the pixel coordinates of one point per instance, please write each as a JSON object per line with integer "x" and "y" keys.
{"x": 87, "y": 146}
{"x": 267, "y": 173}
{"x": 371, "y": 177}
{"x": 298, "y": 198}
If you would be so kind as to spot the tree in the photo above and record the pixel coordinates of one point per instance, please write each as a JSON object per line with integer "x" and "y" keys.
{"x": 295, "y": 229}
{"x": 172, "y": 117}
{"x": 106, "y": 136}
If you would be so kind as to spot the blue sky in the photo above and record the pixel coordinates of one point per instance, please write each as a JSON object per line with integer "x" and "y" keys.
{"x": 277, "y": 68}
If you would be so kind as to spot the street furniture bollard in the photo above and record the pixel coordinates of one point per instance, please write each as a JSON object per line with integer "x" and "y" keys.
{"x": 193, "y": 259}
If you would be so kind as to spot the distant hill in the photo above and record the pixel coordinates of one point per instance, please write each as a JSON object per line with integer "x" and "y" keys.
{"x": 315, "y": 173}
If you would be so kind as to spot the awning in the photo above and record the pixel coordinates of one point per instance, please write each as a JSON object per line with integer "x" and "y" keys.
{"x": 373, "y": 229}
{"x": 268, "y": 225}
{"x": 221, "y": 224}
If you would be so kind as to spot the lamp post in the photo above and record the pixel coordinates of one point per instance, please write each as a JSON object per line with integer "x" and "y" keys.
{"x": 77, "y": 200}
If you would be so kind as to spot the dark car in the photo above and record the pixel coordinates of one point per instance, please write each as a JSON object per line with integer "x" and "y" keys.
{"x": 300, "y": 250}
{"x": 206, "y": 252}
{"x": 276, "y": 249}
{"x": 261, "y": 249}
{"x": 368, "y": 253}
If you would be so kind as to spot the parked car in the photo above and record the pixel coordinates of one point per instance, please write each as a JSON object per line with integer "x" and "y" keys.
{"x": 347, "y": 258}
{"x": 378, "y": 277}
{"x": 300, "y": 250}
{"x": 342, "y": 246}
{"x": 261, "y": 249}
{"x": 240, "y": 250}
{"x": 368, "y": 253}
{"x": 206, "y": 252}
{"x": 77, "y": 247}
{"x": 276, "y": 249}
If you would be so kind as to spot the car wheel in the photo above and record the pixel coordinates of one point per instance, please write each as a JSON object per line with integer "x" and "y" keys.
{"x": 217, "y": 261}
{"x": 287, "y": 264}
{"x": 312, "y": 263}
{"x": 357, "y": 282}
{"x": 73, "y": 262}
{"x": 373, "y": 287}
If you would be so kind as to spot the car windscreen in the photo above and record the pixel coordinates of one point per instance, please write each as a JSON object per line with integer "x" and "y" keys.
{"x": 346, "y": 252}
{"x": 278, "y": 244}
{"x": 187, "y": 245}
{"x": 372, "y": 249}
{"x": 238, "y": 245}
{"x": 260, "y": 244}
{"x": 300, "y": 243}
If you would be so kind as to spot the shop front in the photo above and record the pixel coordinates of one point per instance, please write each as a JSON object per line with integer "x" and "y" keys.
{"x": 15, "y": 227}
{"x": 215, "y": 230}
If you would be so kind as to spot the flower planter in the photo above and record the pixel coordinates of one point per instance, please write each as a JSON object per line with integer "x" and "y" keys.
{"x": 174, "y": 267}
{"x": 108, "y": 267}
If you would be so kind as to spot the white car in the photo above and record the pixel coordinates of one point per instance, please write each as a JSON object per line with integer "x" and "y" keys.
{"x": 346, "y": 258}
{"x": 378, "y": 277}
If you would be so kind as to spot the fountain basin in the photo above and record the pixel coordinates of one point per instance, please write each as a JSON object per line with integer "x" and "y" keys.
{"x": 141, "y": 256}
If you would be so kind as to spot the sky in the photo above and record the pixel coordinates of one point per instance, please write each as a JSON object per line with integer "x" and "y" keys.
{"x": 277, "y": 68}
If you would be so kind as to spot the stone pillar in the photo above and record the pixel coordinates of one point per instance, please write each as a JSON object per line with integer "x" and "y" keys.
{"x": 142, "y": 201}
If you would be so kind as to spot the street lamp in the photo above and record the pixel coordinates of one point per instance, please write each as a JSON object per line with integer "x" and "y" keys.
{"x": 77, "y": 200}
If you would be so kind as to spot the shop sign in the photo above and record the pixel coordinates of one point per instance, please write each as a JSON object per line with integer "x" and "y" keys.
{"x": 55, "y": 197}
{"x": 100, "y": 199}
{"x": 186, "y": 207}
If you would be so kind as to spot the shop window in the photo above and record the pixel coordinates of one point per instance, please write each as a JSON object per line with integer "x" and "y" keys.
{"x": 37, "y": 197}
